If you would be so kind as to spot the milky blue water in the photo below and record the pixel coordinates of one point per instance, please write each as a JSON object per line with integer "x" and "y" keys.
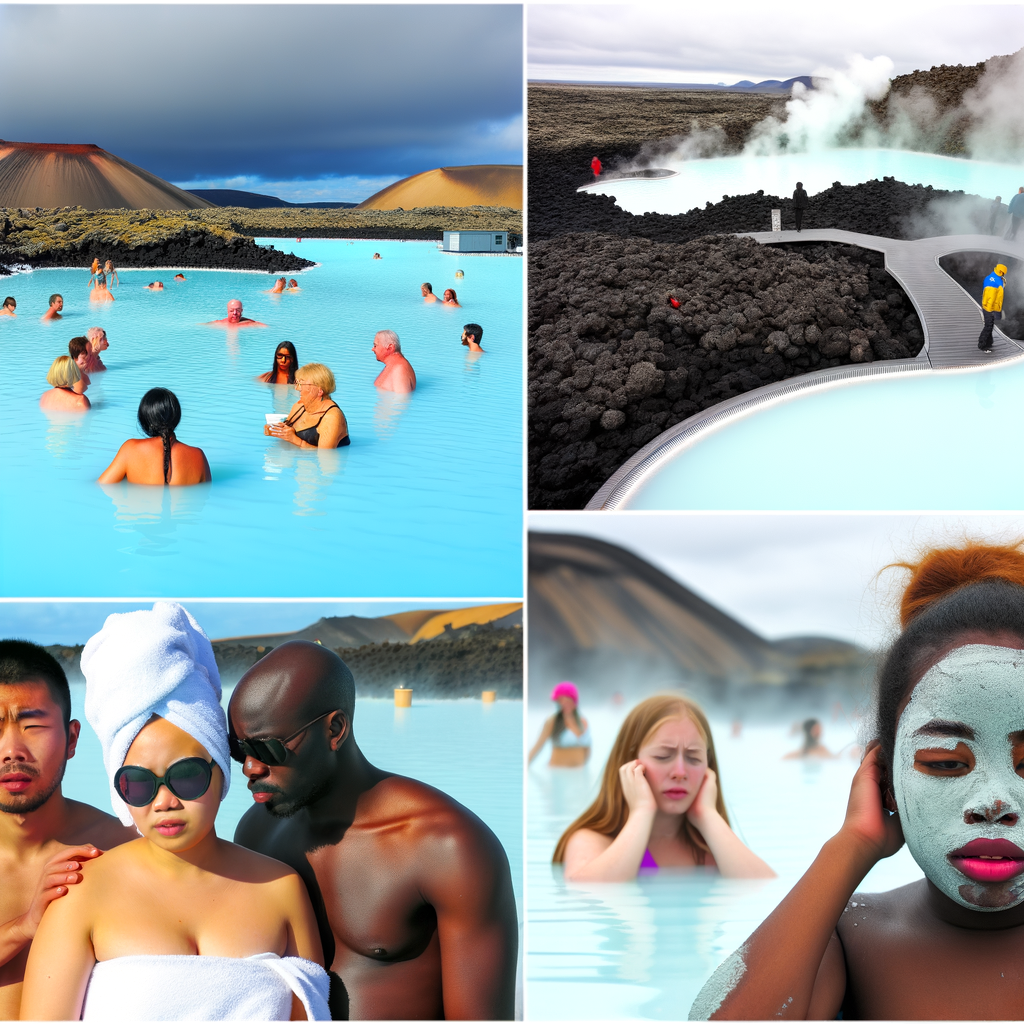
{"x": 707, "y": 181}
{"x": 644, "y": 949}
{"x": 427, "y": 500}
{"x": 470, "y": 750}
{"x": 928, "y": 441}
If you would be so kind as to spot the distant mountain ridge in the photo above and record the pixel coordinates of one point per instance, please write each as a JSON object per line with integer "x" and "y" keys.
{"x": 769, "y": 85}
{"x": 256, "y": 201}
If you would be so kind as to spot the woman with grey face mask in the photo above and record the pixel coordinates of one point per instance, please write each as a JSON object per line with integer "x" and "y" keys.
{"x": 945, "y": 773}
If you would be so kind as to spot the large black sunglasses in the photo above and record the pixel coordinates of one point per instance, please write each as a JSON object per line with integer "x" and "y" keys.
{"x": 187, "y": 779}
{"x": 269, "y": 750}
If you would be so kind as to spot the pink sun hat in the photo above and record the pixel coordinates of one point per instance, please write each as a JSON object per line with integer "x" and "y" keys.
{"x": 566, "y": 689}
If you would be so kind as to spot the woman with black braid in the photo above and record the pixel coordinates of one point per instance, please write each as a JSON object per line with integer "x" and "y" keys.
{"x": 160, "y": 458}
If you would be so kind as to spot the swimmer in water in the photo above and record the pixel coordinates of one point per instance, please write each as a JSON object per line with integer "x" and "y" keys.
{"x": 450, "y": 298}
{"x": 160, "y": 458}
{"x": 99, "y": 292}
{"x": 427, "y": 291}
{"x": 293, "y": 286}
{"x": 568, "y": 731}
{"x": 279, "y": 286}
{"x": 179, "y": 277}
{"x": 315, "y": 420}
{"x": 286, "y": 362}
{"x": 398, "y": 374}
{"x": 235, "y": 318}
{"x": 155, "y": 286}
{"x": 56, "y": 305}
{"x": 660, "y": 805}
{"x": 95, "y": 268}
{"x": 9, "y": 306}
{"x": 813, "y": 747}
{"x": 78, "y": 349}
{"x": 97, "y": 338}
{"x": 63, "y": 375}
{"x": 944, "y": 774}
{"x": 471, "y": 336}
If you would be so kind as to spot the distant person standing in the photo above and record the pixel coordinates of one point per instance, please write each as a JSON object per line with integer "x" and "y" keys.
{"x": 110, "y": 272}
{"x": 1016, "y": 212}
{"x": 799, "y": 204}
{"x": 995, "y": 215}
{"x": 595, "y": 166}
{"x": 991, "y": 304}
{"x": 56, "y": 305}
{"x": 397, "y": 375}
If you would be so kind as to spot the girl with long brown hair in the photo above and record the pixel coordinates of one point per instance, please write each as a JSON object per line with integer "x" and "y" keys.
{"x": 945, "y": 774}
{"x": 660, "y": 804}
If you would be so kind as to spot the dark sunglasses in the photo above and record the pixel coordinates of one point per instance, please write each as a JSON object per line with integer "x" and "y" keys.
{"x": 187, "y": 779}
{"x": 269, "y": 750}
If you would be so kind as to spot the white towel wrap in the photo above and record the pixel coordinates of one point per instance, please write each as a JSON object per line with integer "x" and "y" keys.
{"x": 260, "y": 987}
{"x": 146, "y": 663}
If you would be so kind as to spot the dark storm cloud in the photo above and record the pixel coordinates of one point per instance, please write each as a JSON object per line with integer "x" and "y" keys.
{"x": 279, "y": 91}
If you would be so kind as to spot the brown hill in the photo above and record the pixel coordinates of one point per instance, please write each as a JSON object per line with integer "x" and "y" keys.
{"x": 594, "y": 603}
{"x": 478, "y": 185}
{"x": 40, "y": 174}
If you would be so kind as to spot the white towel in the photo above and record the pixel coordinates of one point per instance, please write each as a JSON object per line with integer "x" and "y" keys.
{"x": 134, "y": 988}
{"x": 145, "y": 663}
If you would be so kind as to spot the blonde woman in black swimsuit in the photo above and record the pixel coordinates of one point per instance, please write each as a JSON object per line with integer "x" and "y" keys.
{"x": 315, "y": 420}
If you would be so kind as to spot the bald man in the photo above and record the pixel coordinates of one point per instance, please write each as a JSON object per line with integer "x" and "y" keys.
{"x": 412, "y": 892}
{"x": 235, "y": 318}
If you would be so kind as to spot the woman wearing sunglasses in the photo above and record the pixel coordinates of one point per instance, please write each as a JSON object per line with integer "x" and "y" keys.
{"x": 178, "y": 924}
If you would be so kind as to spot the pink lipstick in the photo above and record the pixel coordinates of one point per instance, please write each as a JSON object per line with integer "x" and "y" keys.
{"x": 988, "y": 860}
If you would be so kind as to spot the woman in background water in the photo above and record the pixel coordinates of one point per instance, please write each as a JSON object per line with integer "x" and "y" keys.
{"x": 660, "y": 804}
{"x": 568, "y": 731}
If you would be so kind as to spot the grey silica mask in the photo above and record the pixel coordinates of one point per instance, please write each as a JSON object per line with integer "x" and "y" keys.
{"x": 961, "y": 814}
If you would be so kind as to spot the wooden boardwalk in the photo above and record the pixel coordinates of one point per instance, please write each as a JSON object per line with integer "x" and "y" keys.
{"x": 950, "y": 318}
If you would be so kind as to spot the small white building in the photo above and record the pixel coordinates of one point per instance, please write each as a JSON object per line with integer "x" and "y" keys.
{"x": 475, "y": 241}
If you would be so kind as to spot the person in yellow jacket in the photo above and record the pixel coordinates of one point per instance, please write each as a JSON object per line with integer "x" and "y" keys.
{"x": 991, "y": 305}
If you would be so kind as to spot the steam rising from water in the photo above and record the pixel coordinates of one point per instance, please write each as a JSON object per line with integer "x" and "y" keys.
{"x": 823, "y": 117}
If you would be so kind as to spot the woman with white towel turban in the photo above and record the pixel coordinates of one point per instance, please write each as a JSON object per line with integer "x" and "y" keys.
{"x": 178, "y": 924}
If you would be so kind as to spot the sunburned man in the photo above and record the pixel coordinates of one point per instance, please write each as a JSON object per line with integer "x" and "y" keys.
{"x": 98, "y": 343}
{"x": 44, "y": 837}
{"x": 427, "y": 291}
{"x": 56, "y": 305}
{"x": 412, "y": 891}
{"x": 235, "y": 318}
{"x": 398, "y": 374}
{"x": 471, "y": 335}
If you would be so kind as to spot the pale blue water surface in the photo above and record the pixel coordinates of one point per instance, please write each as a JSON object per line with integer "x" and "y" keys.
{"x": 644, "y": 949}
{"x": 707, "y": 181}
{"x": 470, "y": 750}
{"x": 426, "y": 502}
{"x": 928, "y": 441}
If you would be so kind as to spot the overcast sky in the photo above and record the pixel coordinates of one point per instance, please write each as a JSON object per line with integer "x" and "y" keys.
{"x": 656, "y": 42}
{"x": 788, "y": 575}
{"x": 73, "y": 622}
{"x": 315, "y": 99}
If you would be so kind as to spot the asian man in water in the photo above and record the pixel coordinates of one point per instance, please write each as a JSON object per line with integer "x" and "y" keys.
{"x": 44, "y": 837}
{"x": 412, "y": 891}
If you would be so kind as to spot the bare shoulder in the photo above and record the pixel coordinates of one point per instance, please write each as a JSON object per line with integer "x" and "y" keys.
{"x": 422, "y": 813}
{"x": 585, "y": 844}
{"x": 870, "y": 917}
{"x": 88, "y": 824}
{"x": 257, "y": 868}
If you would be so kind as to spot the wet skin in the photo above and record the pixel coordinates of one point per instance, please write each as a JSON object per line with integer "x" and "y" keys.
{"x": 912, "y": 953}
{"x": 52, "y": 841}
{"x": 412, "y": 892}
